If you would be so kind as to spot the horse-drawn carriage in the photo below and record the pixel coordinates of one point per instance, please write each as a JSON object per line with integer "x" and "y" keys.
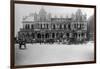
{"x": 21, "y": 42}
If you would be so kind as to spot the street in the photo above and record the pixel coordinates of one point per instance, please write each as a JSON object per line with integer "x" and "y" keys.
{"x": 54, "y": 53}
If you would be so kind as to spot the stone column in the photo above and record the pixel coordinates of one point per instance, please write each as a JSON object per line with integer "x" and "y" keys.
{"x": 50, "y": 35}
{"x": 70, "y": 34}
{"x": 85, "y": 35}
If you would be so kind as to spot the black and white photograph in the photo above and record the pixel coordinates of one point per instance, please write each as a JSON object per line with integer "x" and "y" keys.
{"x": 50, "y": 34}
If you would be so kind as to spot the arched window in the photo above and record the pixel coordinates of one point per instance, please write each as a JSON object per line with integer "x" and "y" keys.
{"x": 47, "y": 26}
{"x": 28, "y": 26}
{"x": 38, "y": 35}
{"x": 32, "y": 26}
{"x": 74, "y": 25}
{"x": 53, "y": 26}
{"x": 67, "y": 34}
{"x": 41, "y": 26}
{"x": 79, "y": 34}
{"x": 53, "y": 35}
{"x": 64, "y": 26}
{"x": 82, "y": 34}
{"x": 69, "y": 26}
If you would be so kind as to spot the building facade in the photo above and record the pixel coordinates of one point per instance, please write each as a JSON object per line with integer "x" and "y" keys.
{"x": 42, "y": 27}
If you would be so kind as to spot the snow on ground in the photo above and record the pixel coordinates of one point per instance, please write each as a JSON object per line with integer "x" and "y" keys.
{"x": 53, "y": 53}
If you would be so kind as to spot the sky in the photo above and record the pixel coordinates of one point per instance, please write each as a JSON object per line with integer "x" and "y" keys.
{"x": 22, "y": 10}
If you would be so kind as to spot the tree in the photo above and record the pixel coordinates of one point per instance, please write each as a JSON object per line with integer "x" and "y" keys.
{"x": 90, "y": 27}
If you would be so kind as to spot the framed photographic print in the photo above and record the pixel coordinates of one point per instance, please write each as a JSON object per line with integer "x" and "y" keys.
{"x": 50, "y": 34}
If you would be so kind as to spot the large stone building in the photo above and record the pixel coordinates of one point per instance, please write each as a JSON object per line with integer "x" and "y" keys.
{"x": 42, "y": 27}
